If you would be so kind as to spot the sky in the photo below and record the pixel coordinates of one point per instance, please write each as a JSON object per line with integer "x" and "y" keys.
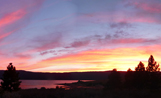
{"x": 79, "y": 35}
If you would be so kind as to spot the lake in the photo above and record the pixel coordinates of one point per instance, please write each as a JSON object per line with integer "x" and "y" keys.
{"x": 26, "y": 84}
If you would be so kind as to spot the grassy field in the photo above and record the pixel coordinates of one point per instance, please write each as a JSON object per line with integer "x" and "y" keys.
{"x": 82, "y": 93}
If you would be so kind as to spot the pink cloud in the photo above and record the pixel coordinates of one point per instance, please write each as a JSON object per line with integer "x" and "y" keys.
{"x": 153, "y": 7}
{"x": 12, "y": 17}
{"x": 110, "y": 40}
{"x": 15, "y": 16}
{"x": 19, "y": 61}
{"x": 144, "y": 11}
{"x": 139, "y": 11}
{"x": 113, "y": 40}
{"x": 133, "y": 41}
{"x": 117, "y": 17}
{"x": 77, "y": 44}
{"x": 47, "y": 41}
{"x": 4, "y": 35}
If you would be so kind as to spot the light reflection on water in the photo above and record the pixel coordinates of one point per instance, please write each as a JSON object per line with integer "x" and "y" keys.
{"x": 26, "y": 84}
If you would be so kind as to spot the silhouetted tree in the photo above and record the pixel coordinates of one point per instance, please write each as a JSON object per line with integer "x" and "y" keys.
{"x": 114, "y": 80}
{"x": 152, "y": 65}
{"x": 140, "y": 67}
{"x": 140, "y": 77}
{"x": 128, "y": 83}
{"x": 10, "y": 80}
{"x": 146, "y": 78}
{"x": 152, "y": 69}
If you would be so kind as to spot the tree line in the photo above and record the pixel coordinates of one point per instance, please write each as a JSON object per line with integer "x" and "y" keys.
{"x": 142, "y": 78}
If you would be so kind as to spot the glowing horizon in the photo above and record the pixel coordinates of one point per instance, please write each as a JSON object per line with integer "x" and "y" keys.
{"x": 98, "y": 60}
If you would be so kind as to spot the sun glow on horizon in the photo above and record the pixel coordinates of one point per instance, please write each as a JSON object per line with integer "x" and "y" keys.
{"x": 97, "y": 60}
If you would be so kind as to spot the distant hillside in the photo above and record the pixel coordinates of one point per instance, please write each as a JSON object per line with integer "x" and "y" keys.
{"x": 27, "y": 75}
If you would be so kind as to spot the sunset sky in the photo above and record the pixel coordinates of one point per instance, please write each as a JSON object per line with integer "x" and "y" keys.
{"x": 79, "y": 35}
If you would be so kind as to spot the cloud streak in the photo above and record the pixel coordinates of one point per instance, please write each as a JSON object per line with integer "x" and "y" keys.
{"x": 120, "y": 58}
{"x": 12, "y": 17}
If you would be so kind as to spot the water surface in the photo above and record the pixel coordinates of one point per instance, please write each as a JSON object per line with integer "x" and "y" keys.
{"x": 26, "y": 84}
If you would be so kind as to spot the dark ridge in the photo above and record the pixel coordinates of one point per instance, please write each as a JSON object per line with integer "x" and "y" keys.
{"x": 27, "y": 75}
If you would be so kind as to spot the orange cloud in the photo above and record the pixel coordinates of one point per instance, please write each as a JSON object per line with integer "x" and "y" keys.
{"x": 20, "y": 62}
{"x": 98, "y": 60}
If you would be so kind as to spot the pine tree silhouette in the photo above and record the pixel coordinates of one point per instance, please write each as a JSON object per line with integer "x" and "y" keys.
{"x": 148, "y": 78}
{"x": 140, "y": 77}
{"x": 10, "y": 80}
{"x": 152, "y": 65}
{"x": 154, "y": 77}
{"x": 140, "y": 67}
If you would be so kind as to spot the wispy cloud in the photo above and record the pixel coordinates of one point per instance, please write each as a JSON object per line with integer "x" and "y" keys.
{"x": 12, "y": 17}
{"x": 146, "y": 10}
{"x": 120, "y": 25}
{"x": 120, "y": 58}
{"x": 47, "y": 41}
{"x": 77, "y": 44}
{"x": 148, "y": 6}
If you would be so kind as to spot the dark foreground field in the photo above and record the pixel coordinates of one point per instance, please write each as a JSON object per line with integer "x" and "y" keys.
{"x": 83, "y": 93}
